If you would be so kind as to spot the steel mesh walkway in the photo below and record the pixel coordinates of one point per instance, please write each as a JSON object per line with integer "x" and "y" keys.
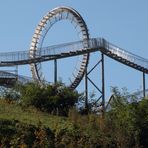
{"x": 74, "y": 49}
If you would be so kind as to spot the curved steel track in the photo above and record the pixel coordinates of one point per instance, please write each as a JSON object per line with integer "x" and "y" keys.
{"x": 8, "y": 79}
{"x": 53, "y": 16}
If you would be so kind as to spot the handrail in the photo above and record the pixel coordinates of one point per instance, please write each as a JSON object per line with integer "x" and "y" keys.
{"x": 72, "y": 49}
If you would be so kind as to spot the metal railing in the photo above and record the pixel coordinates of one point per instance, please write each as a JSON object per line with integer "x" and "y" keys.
{"x": 95, "y": 44}
{"x": 12, "y": 75}
{"x": 127, "y": 55}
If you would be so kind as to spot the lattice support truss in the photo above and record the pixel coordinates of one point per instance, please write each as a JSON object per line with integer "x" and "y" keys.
{"x": 100, "y": 90}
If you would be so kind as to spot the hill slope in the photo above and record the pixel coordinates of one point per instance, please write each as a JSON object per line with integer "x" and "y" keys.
{"x": 30, "y": 127}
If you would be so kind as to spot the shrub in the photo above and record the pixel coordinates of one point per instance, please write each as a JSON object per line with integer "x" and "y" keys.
{"x": 16, "y": 134}
{"x": 56, "y": 99}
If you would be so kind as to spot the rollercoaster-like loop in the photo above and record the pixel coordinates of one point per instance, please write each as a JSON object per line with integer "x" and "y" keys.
{"x": 53, "y": 16}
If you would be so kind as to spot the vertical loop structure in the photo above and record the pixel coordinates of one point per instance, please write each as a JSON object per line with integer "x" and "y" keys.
{"x": 53, "y": 16}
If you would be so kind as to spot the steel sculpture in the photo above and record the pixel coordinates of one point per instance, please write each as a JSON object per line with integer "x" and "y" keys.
{"x": 53, "y": 16}
{"x": 37, "y": 53}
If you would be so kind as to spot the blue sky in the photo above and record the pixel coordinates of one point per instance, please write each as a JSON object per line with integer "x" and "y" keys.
{"x": 124, "y": 23}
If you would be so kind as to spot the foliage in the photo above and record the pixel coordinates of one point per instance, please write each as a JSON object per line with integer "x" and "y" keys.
{"x": 16, "y": 134}
{"x": 9, "y": 94}
{"x": 55, "y": 99}
{"x": 127, "y": 120}
{"x": 125, "y": 125}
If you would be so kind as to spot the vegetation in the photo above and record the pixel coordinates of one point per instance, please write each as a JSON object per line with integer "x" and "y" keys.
{"x": 29, "y": 117}
{"x": 55, "y": 99}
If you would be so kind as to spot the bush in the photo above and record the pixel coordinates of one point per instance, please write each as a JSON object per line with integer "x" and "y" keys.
{"x": 16, "y": 134}
{"x": 9, "y": 94}
{"x": 56, "y": 99}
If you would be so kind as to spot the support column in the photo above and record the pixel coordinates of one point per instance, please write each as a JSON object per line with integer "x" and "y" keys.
{"x": 100, "y": 90}
{"x": 16, "y": 72}
{"x": 86, "y": 90}
{"x": 55, "y": 71}
{"x": 143, "y": 84}
{"x": 103, "y": 84}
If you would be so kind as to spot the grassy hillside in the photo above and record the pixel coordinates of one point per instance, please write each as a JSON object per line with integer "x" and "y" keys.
{"x": 30, "y": 115}
{"x": 31, "y": 122}
{"x": 18, "y": 124}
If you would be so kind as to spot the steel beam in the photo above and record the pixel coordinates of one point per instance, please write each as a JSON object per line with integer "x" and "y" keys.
{"x": 55, "y": 71}
{"x": 144, "y": 85}
{"x": 103, "y": 84}
{"x": 100, "y": 90}
{"x": 86, "y": 89}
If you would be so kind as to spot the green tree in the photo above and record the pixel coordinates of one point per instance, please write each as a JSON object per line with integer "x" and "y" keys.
{"x": 119, "y": 121}
{"x": 55, "y": 99}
